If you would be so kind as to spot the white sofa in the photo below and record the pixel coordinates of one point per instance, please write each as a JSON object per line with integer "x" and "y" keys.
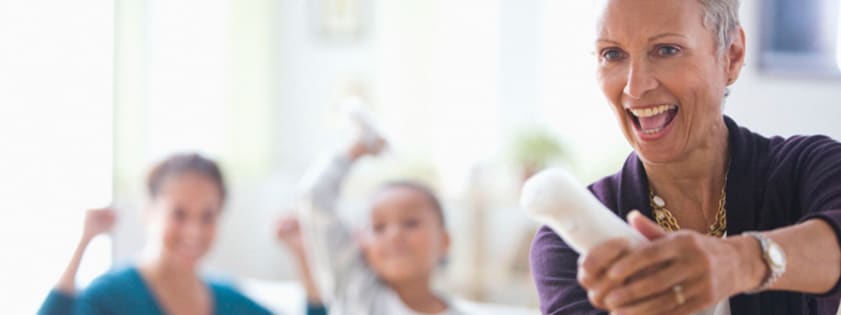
{"x": 287, "y": 298}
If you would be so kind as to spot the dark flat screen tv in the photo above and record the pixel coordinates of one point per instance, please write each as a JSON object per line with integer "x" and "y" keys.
{"x": 801, "y": 37}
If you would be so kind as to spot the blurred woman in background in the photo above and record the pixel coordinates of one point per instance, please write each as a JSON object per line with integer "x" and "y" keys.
{"x": 186, "y": 196}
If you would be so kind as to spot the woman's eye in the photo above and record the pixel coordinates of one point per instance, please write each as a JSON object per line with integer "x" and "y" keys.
{"x": 667, "y": 50}
{"x": 611, "y": 54}
{"x": 378, "y": 228}
{"x": 180, "y": 215}
{"x": 208, "y": 217}
{"x": 411, "y": 223}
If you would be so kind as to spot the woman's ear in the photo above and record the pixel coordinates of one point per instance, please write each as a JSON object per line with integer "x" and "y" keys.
{"x": 735, "y": 55}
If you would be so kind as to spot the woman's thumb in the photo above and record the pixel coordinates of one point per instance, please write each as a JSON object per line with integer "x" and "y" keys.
{"x": 646, "y": 227}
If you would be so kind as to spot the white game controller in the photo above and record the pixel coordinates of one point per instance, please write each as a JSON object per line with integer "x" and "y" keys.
{"x": 555, "y": 198}
{"x": 359, "y": 116}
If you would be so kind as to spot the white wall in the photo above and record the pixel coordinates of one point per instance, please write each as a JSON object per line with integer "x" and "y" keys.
{"x": 311, "y": 72}
{"x": 55, "y": 140}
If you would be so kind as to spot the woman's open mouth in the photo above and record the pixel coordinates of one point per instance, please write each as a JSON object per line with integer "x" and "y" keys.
{"x": 650, "y": 122}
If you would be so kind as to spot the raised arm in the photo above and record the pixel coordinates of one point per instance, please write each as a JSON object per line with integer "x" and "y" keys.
{"x": 62, "y": 298}
{"x": 288, "y": 231}
{"x": 331, "y": 251}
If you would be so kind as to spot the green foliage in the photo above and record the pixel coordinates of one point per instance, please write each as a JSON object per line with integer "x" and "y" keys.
{"x": 535, "y": 148}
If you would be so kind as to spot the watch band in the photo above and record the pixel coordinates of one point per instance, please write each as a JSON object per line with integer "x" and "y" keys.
{"x": 775, "y": 269}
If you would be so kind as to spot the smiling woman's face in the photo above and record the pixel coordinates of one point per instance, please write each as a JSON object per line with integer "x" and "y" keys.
{"x": 182, "y": 218}
{"x": 659, "y": 68}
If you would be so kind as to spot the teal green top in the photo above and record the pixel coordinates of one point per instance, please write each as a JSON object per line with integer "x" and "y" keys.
{"x": 124, "y": 292}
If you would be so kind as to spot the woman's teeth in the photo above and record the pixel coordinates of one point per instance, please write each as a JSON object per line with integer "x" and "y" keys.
{"x": 651, "y": 131}
{"x": 652, "y": 111}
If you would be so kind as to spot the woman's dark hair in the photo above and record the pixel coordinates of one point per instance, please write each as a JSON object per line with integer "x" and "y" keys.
{"x": 183, "y": 163}
{"x": 422, "y": 189}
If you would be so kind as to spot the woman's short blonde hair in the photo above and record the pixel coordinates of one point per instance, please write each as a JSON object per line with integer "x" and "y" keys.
{"x": 722, "y": 18}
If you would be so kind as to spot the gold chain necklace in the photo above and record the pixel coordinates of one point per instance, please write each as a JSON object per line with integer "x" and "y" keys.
{"x": 668, "y": 221}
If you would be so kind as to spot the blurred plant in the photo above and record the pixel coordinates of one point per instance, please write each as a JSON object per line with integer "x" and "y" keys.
{"x": 534, "y": 149}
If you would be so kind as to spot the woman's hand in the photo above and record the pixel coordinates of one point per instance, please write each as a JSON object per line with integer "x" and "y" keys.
{"x": 593, "y": 267}
{"x": 98, "y": 221}
{"x": 677, "y": 273}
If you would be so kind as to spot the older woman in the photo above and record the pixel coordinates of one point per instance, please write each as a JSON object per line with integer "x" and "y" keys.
{"x": 665, "y": 67}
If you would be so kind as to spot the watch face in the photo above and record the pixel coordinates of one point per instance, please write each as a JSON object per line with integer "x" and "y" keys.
{"x": 775, "y": 254}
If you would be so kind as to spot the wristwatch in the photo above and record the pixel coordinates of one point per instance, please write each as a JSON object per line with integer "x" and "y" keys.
{"x": 774, "y": 258}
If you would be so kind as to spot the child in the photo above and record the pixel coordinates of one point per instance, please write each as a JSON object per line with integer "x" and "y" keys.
{"x": 389, "y": 271}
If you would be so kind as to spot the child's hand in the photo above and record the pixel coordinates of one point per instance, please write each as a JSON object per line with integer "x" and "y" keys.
{"x": 362, "y": 146}
{"x": 288, "y": 231}
{"x": 98, "y": 221}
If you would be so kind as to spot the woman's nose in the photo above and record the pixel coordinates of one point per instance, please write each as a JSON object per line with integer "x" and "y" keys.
{"x": 640, "y": 79}
{"x": 193, "y": 229}
{"x": 394, "y": 232}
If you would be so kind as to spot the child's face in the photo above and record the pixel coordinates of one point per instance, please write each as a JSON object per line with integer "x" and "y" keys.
{"x": 182, "y": 218}
{"x": 406, "y": 240}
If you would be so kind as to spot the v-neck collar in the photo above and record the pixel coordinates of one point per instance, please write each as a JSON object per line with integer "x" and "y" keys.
{"x": 149, "y": 296}
{"x": 742, "y": 184}
{"x": 746, "y": 151}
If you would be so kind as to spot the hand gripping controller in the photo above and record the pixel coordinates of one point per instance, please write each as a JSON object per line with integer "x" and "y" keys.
{"x": 553, "y": 197}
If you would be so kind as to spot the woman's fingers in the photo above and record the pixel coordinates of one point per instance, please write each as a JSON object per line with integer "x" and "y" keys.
{"x": 650, "y": 256}
{"x": 98, "y": 221}
{"x": 592, "y": 266}
{"x": 101, "y": 213}
{"x": 602, "y": 256}
{"x": 640, "y": 280}
{"x": 597, "y": 294}
{"x": 105, "y": 217}
{"x": 681, "y": 267}
{"x": 677, "y": 299}
{"x": 653, "y": 282}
